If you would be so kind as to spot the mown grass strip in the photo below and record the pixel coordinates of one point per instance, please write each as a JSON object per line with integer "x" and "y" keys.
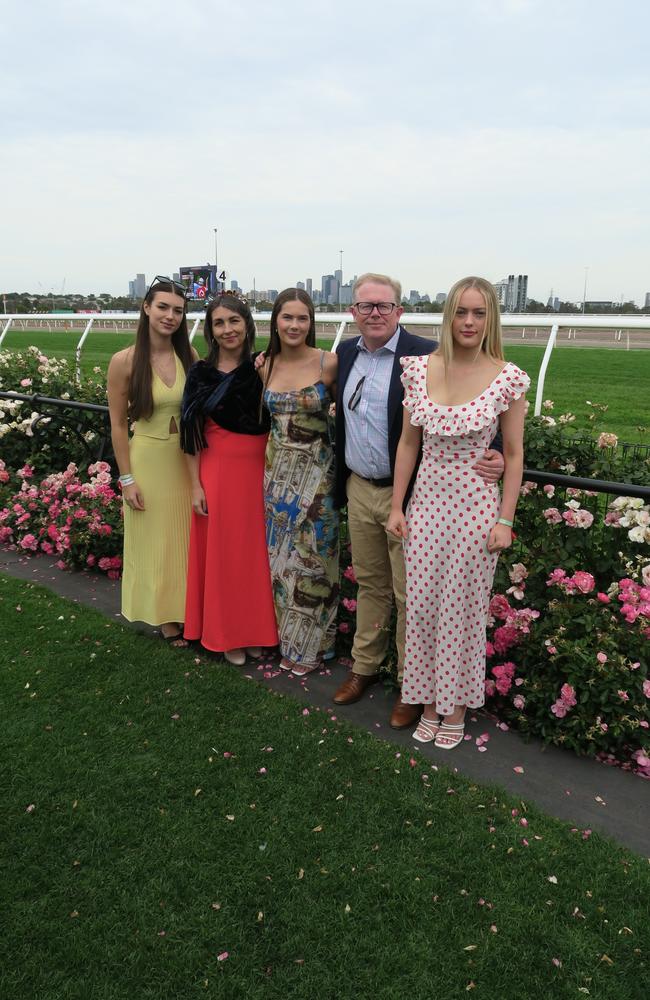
{"x": 161, "y": 810}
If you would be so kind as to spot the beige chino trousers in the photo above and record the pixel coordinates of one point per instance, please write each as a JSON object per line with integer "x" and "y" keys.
{"x": 378, "y": 562}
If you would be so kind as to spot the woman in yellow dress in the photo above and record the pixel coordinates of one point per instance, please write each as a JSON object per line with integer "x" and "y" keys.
{"x": 145, "y": 388}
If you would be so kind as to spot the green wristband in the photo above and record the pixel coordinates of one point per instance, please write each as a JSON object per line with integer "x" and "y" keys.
{"x": 504, "y": 520}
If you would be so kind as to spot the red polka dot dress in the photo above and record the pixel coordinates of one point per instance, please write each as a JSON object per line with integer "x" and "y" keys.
{"x": 449, "y": 571}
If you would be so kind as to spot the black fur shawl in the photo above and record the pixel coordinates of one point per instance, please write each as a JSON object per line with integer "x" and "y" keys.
{"x": 232, "y": 400}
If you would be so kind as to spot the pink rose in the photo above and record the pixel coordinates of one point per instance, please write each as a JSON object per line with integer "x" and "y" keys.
{"x": 646, "y": 688}
{"x": 603, "y": 598}
{"x": 518, "y": 701}
{"x": 559, "y": 709}
{"x": 583, "y": 581}
{"x": 552, "y": 515}
{"x": 601, "y": 657}
{"x": 568, "y": 695}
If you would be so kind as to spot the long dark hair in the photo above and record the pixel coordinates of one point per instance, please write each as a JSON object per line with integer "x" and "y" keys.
{"x": 275, "y": 344}
{"x": 140, "y": 390}
{"x": 236, "y": 305}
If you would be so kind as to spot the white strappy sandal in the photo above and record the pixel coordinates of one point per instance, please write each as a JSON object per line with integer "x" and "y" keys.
{"x": 428, "y": 729}
{"x": 449, "y": 735}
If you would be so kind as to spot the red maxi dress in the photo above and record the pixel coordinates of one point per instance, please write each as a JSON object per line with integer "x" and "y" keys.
{"x": 229, "y": 601}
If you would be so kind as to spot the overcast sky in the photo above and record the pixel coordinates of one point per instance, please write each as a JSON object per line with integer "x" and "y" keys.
{"x": 428, "y": 139}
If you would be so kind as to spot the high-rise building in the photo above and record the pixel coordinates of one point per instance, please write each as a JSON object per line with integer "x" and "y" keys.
{"x": 308, "y": 286}
{"x": 234, "y": 285}
{"x": 441, "y": 298}
{"x": 501, "y": 289}
{"x": 138, "y": 287}
{"x": 300, "y": 285}
{"x": 346, "y": 294}
{"x": 647, "y": 301}
{"x": 414, "y": 296}
{"x": 516, "y": 293}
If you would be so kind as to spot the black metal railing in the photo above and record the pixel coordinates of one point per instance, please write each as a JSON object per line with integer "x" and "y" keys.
{"x": 53, "y": 410}
{"x": 50, "y": 408}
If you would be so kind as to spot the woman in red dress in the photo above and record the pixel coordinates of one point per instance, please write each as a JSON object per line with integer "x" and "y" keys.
{"x": 224, "y": 430}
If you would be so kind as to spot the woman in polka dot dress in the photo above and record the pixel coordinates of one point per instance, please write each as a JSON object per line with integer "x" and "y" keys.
{"x": 455, "y": 524}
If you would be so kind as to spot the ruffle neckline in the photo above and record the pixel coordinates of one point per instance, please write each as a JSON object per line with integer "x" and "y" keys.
{"x": 462, "y": 418}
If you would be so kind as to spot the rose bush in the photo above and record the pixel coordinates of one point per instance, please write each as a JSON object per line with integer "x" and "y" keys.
{"x": 48, "y": 444}
{"x": 77, "y": 519}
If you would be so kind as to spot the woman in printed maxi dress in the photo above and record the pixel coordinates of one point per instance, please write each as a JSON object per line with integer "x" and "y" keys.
{"x": 301, "y": 521}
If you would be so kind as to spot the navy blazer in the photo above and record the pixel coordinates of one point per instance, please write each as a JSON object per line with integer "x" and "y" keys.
{"x": 408, "y": 345}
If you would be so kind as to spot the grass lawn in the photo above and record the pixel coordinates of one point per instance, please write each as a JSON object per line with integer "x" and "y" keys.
{"x": 161, "y": 811}
{"x": 618, "y": 378}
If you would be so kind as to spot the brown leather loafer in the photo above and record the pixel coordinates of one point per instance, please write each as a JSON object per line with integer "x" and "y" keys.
{"x": 353, "y": 687}
{"x": 403, "y": 716}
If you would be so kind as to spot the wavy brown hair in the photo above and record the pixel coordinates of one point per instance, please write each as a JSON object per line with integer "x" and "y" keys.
{"x": 140, "y": 383}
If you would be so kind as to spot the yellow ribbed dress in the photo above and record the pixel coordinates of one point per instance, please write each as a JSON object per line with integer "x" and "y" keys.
{"x": 156, "y": 540}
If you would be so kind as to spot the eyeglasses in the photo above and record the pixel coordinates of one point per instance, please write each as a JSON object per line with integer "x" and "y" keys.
{"x": 383, "y": 308}
{"x": 355, "y": 398}
{"x": 160, "y": 279}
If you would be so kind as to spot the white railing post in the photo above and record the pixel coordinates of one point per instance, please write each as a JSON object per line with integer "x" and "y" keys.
{"x": 195, "y": 327}
{"x": 339, "y": 334}
{"x": 79, "y": 346}
{"x": 6, "y": 327}
{"x": 542, "y": 371}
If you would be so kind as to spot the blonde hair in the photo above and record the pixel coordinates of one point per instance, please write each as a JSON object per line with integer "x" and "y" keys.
{"x": 378, "y": 279}
{"x": 491, "y": 343}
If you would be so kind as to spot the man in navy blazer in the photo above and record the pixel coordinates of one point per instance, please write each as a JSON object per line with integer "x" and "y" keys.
{"x": 369, "y": 416}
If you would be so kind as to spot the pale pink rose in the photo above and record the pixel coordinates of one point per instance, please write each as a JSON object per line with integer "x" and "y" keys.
{"x": 559, "y": 709}
{"x": 25, "y": 382}
{"x": 601, "y": 657}
{"x": 646, "y": 688}
{"x": 623, "y": 695}
{"x": 519, "y": 701}
{"x": 549, "y": 490}
{"x": 584, "y": 519}
{"x": 518, "y": 573}
{"x": 606, "y": 440}
{"x": 552, "y": 515}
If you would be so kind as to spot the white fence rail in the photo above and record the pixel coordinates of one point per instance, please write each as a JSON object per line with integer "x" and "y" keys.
{"x": 529, "y": 324}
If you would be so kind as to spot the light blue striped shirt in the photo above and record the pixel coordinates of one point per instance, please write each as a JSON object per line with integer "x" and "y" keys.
{"x": 366, "y": 427}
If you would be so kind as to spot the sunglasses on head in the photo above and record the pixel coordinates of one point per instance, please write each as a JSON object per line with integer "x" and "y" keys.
{"x": 161, "y": 279}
